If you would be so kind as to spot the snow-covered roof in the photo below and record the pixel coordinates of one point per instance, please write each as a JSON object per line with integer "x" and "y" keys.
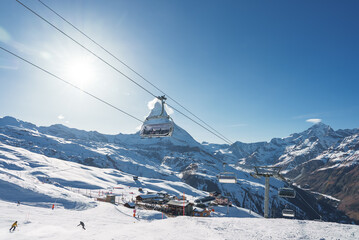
{"x": 131, "y": 204}
{"x": 147, "y": 196}
{"x": 197, "y": 209}
{"x": 178, "y": 203}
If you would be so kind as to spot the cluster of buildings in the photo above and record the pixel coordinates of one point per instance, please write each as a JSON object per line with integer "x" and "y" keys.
{"x": 178, "y": 205}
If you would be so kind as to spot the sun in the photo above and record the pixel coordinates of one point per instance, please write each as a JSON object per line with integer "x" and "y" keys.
{"x": 80, "y": 71}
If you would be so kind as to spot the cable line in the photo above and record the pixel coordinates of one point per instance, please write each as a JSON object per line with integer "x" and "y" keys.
{"x": 72, "y": 85}
{"x": 310, "y": 206}
{"x": 134, "y": 71}
{"x": 42, "y": 18}
{"x": 286, "y": 181}
{"x": 199, "y": 124}
{"x": 88, "y": 93}
{"x": 52, "y": 25}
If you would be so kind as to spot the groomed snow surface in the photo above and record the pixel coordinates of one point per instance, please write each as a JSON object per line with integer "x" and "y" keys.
{"x": 107, "y": 221}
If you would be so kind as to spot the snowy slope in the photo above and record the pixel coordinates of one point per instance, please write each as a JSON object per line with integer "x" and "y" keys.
{"x": 36, "y": 179}
{"x": 335, "y": 172}
{"x": 39, "y": 181}
{"x": 177, "y": 159}
{"x": 107, "y": 221}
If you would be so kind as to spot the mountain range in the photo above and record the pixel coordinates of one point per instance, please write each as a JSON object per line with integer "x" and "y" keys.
{"x": 320, "y": 163}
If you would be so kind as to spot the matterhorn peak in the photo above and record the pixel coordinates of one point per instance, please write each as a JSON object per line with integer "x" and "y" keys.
{"x": 156, "y": 109}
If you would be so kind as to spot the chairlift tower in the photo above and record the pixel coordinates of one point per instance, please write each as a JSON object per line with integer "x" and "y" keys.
{"x": 267, "y": 172}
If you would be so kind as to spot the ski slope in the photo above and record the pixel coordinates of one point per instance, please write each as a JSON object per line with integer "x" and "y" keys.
{"x": 38, "y": 182}
{"x": 107, "y": 221}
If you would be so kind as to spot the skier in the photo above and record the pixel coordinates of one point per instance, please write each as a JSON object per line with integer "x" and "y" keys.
{"x": 82, "y": 224}
{"x": 13, "y": 226}
{"x": 53, "y": 206}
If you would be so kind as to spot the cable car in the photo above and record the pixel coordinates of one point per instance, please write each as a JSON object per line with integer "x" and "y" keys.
{"x": 286, "y": 193}
{"x": 227, "y": 177}
{"x": 157, "y": 130}
{"x": 288, "y": 212}
{"x": 158, "y": 126}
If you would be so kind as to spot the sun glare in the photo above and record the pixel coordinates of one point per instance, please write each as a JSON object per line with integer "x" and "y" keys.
{"x": 80, "y": 71}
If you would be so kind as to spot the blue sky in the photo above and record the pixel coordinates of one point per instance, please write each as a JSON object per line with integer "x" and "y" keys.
{"x": 253, "y": 70}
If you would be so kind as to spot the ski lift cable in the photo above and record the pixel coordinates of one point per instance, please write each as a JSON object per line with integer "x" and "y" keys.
{"x": 67, "y": 35}
{"x": 134, "y": 71}
{"x": 305, "y": 201}
{"x": 200, "y": 124}
{"x": 63, "y": 80}
{"x": 84, "y": 91}
{"x": 310, "y": 205}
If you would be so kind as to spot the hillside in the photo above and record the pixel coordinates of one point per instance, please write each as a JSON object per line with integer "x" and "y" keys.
{"x": 181, "y": 159}
{"x": 38, "y": 182}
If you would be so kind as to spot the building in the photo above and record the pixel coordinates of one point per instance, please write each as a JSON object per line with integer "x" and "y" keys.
{"x": 175, "y": 207}
{"x": 150, "y": 198}
{"x": 214, "y": 194}
{"x": 205, "y": 200}
{"x": 220, "y": 200}
{"x": 223, "y": 201}
{"x": 130, "y": 205}
{"x": 200, "y": 212}
{"x": 108, "y": 198}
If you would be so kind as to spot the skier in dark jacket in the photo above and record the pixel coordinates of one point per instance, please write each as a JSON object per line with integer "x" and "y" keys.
{"x": 82, "y": 224}
{"x": 13, "y": 226}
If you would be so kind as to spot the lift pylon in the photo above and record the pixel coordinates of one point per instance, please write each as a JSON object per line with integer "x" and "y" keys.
{"x": 267, "y": 172}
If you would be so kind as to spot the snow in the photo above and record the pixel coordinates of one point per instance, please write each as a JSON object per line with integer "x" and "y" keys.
{"x": 38, "y": 182}
{"x": 327, "y": 196}
{"x": 161, "y": 164}
{"x": 107, "y": 221}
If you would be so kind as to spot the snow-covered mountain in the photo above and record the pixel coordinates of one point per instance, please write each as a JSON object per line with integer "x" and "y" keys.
{"x": 334, "y": 172}
{"x": 321, "y": 159}
{"x": 293, "y": 150}
{"x": 181, "y": 159}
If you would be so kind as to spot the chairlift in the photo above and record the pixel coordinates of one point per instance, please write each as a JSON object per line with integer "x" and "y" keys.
{"x": 227, "y": 177}
{"x": 286, "y": 193}
{"x": 287, "y": 212}
{"x": 158, "y": 126}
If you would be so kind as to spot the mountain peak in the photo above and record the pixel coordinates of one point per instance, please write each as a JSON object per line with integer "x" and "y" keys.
{"x": 157, "y": 110}
{"x": 319, "y": 129}
{"x": 11, "y": 121}
{"x": 320, "y": 124}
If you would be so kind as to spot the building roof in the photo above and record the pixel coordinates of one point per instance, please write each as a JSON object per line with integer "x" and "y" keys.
{"x": 178, "y": 203}
{"x": 204, "y": 200}
{"x": 131, "y": 204}
{"x": 148, "y": 196}
{"x": 197, "y": 209}
{"x": 215, "y": 193}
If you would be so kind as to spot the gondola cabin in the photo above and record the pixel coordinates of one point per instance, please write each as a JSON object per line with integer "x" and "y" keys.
{"x": 158, "y": 125}
{"x": 286, "y": 193}
{"x": 227, "y": 177}
{"x": 157, "y": 130}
